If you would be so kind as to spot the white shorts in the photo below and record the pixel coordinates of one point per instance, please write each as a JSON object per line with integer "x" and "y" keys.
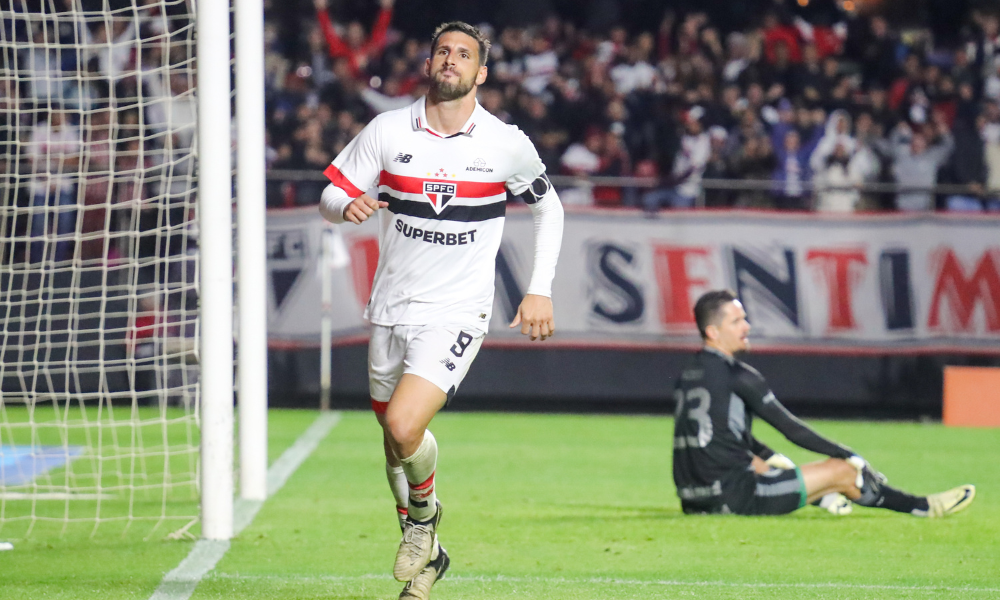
{"x": 441, "y": 355}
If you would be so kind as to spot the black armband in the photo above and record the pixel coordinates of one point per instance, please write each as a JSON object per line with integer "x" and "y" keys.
{"x": 537, "y": 190}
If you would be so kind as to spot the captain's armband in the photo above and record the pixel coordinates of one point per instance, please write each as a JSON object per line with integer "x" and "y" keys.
{"x": 537, "y": 190}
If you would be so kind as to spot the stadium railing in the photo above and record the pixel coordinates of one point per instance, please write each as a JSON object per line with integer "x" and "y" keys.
{"x": 287, "y": 188}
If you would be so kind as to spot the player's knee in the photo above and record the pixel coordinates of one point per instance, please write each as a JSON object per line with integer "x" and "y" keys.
{"x": 845, "y": 473}
{"x": 404, "y": 433}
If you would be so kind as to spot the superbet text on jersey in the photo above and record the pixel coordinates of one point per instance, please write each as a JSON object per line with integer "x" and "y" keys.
{"x": 447, "y": 197}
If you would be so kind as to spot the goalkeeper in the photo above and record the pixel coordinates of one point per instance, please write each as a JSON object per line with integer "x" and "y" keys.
{"x": 720, "y": 468}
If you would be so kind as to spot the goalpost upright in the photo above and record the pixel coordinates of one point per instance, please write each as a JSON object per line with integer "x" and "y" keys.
{"x": 251, "y": 245}
{"x": 215, "y": 229}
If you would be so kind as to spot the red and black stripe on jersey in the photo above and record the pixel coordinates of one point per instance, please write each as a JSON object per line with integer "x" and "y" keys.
{"x": 466, "y": 190}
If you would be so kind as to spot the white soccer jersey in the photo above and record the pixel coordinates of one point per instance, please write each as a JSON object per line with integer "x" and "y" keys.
{"x": 447, "y": 198}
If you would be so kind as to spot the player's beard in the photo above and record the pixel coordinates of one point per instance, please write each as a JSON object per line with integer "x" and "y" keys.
{"x": 446, "y": 90}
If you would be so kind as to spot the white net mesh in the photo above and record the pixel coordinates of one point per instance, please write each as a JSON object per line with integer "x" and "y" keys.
{"x": 98, "y": 282}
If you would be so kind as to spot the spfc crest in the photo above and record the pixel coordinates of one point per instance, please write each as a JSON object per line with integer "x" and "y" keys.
{"x": 439, "y": 193}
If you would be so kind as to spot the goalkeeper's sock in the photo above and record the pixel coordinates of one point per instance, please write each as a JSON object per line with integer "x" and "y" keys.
{"x": 419, "y": 469}
{"x": 900, "y": 501}
{"x": 880, "y": 495}
{"x": 400, "y": 490}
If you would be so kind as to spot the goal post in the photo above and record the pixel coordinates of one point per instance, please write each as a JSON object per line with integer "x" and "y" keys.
{"x": 252, "y": 255}
{"x": 116, "y": 267}
{"x": 215, "y": 225}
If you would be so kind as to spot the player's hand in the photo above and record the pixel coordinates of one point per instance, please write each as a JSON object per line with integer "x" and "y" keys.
{"x": 780, "y": 461}
{"x": 319, "y": 4}
{"x": 361, "y": 208}
{"x": 535, "y": 317}
{"x": 862, "y": 465}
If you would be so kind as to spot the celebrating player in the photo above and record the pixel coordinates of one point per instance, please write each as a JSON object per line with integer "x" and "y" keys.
{"x": 443, "y": 167}
{"x": 719, "y": 467}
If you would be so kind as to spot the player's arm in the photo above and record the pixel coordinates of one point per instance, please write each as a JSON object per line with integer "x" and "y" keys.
{"x": 535, "y": 315}
{"x": 760, "y": 449}
{"x": 529, "y": 182}
{"x": 354, "y": 170}
{"x": 751, "y": 387}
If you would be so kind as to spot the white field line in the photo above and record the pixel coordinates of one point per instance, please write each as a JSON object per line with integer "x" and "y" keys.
{"x": 611, "y": 581}
{"x": 181, "y": 582}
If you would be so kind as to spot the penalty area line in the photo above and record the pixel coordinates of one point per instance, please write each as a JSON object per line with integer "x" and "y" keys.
{"x": 181, "y": 582}
{"x": 620, "y": 582}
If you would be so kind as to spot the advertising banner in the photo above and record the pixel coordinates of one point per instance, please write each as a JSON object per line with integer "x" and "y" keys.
{"x": 811, "y": 283}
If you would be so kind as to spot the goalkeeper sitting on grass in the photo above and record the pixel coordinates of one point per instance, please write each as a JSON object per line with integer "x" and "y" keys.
{"x": 720, "y": 468}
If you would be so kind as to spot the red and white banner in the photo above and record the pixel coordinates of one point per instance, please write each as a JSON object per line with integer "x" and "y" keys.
{"x": 854, "y": 284}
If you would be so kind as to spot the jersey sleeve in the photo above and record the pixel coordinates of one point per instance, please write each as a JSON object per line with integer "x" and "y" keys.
{"x": 753, "y": 389}
{"x": 529, "y": 166}
{"x": 357, "y": 168}
{"x": 530, "y": 183}
{"x": 760, "y": 449}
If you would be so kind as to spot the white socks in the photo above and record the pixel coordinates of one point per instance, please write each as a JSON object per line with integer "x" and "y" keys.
{"x": 400, "y": 490}
{"x": 419, "y": 469}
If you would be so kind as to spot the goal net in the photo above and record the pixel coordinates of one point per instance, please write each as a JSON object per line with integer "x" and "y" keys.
{"x": 98, "y": 281}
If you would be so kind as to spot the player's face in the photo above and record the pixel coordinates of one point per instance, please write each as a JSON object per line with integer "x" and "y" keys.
{"x": 733, "y": 329}
{"x": 454, "y": 68}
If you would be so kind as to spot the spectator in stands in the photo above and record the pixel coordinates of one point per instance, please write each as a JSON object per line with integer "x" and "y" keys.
{"x": 792, "y": 174}
{"x": 636, "y": 74}
{"x": 754, "y": 161}
{"x": 540, "y": 64}
{"x": 718, "y": 167}
{"x": 582, "y": 158}
{"x": 967, "y": 166}
{"x": 358, "y": 51}
{"x": 876, "y": 53}
{"x": 54, "y": 153}
{"x": 113, "y": 47}
{"x": 41, "y": 60}
{"x": 689, "y": 165}
{"x": 837, "y": 133}
{"x": 837, "y": 179}
{"x": 916, "y": 160}
{"x": 868, "y": 163}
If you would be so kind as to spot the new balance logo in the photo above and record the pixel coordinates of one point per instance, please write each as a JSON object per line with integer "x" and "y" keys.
{"x": 402, "y": 158}
{"x": 448, "y": 364}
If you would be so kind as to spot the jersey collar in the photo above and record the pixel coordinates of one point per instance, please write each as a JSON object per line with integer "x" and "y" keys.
{"x": 418, "y": 117}
{"x": 725, "y": 357}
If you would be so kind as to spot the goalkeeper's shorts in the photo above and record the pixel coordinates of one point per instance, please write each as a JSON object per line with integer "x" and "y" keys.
{"x": 776, "y": 492}
{"x": 439, "y": 354}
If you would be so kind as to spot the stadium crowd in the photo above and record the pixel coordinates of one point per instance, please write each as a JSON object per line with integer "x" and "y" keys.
{"x": 809, "y": 109}
{"x": 775, "y": 107}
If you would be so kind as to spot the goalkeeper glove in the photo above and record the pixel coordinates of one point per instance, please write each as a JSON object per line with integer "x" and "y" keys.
{"x": 836, "y": 504}
{"x": 779, "y": 461}
{"x": 861, "y": 466}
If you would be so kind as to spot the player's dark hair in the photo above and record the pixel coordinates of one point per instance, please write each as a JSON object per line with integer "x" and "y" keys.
{"x": 469, "y": 30}
{"x": 708, "y": 307}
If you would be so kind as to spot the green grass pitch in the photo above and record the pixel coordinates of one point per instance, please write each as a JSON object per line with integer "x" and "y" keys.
{"x": 560, "y": 507}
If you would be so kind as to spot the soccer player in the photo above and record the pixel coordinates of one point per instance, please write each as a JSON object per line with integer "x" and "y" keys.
{"x": 443, "y": 167}
{"x": 719, "y": 467}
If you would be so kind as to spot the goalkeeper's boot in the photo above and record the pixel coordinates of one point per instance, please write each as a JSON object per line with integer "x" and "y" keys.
{"x": 416, "y": 547}
{"x": 950, "y": 502}
{"x": 419, "y": 588}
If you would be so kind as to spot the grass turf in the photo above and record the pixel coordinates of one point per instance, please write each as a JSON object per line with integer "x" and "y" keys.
{"x": 554, "y": 506}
